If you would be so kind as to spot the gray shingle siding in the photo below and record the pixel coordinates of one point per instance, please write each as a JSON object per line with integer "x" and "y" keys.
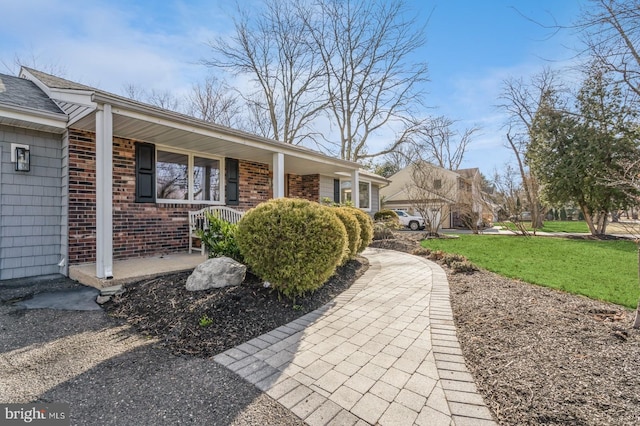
{"x": 326, "y": 188}
{"x": 32, "y": 206}
{"x": 375, "y": 199}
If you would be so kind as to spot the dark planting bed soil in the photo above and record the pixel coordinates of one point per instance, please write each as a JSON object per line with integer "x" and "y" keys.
{"x": 204, "y": 323}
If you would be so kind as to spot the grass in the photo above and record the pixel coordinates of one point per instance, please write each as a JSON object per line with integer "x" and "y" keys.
{"x": 565, "y": 226}
{"x": 603, "y": 270}
{"x": 571, "y": 226}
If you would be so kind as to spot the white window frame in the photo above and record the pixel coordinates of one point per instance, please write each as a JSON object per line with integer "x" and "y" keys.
{"x": 190, "y": 184}
{"x": 368, "y": 209}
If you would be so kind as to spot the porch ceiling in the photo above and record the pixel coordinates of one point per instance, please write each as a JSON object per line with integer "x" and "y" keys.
{"x": 205, "y": 140}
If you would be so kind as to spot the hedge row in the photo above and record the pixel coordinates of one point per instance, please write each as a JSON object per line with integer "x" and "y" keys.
{"x": 297, "y": 244}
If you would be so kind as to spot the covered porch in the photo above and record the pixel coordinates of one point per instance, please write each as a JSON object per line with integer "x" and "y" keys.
{"x": 132, "y": 270}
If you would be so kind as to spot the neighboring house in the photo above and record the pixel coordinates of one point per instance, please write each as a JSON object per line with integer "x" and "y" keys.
{"x": 446, "y": 194}
{"x": 111, "y": 178}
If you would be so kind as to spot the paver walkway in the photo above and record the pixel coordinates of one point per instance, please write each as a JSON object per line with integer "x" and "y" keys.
{"x": 383, "y": 352}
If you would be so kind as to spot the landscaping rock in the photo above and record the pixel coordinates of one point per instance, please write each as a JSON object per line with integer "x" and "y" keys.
{"x": 101, "y": 300}
{"x": 111, "y": 291}
{"x": 216, "y": 273}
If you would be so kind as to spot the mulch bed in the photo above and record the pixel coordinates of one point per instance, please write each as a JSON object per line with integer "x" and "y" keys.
{"x": 204, "y": 323}
{"x": 539, "y": 356}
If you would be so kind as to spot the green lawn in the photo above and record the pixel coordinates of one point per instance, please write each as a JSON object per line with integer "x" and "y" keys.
{"x": 604, "y": 270}
{"x": 573, "y": 226}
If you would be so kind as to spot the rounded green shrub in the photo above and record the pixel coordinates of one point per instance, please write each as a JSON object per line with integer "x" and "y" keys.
{"x": 366, "y": 228}
{"x": 352, "y": 226}
{"x": 385, "y": 215}
{"x": 294, "y": 244}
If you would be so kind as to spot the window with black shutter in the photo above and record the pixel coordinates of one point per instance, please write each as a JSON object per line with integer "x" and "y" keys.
{"x": 336, "y": 190}
{"x": 145, "y": 173}
{"x": 232, "y": 173}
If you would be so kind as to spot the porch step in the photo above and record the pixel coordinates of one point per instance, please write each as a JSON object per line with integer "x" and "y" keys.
{"x": 132, "y": 270}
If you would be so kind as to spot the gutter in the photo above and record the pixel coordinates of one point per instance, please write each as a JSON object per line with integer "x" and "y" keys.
{"x": 101, "y": 97}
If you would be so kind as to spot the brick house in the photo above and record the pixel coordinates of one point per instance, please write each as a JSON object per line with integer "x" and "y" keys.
{"x": 110, "y": 178}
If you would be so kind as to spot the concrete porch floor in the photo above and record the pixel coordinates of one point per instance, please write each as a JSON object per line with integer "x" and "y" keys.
{"x": 131, "y": 270}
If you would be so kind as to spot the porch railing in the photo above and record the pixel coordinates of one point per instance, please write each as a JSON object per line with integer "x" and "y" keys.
{"x": 198, "y": 221}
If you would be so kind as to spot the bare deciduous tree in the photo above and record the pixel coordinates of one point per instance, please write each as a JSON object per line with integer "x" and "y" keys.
{"x": 439, "y": 142}
{"x": 32, "y": 60}
{"x": 508, "y": 194}
{"x": 274, "y": 50}
{"x": 521, "y": 101}
{"x": 161, "y": 98}
{"x": 215, "y": 102}
{"x": 629, "y": 177}
{"x": 612, "y": 35}
{"x": 365, "y": 47}
{"x": 472, "y": 202}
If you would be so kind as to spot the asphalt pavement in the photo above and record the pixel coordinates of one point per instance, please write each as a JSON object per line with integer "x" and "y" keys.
{"x": 110, "y": 375}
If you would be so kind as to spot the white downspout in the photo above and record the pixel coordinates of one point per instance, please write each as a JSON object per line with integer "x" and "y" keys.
{"x": 278, "y": 175}
{"x": 355, "y": 188}
{"x": 104, "y": 192}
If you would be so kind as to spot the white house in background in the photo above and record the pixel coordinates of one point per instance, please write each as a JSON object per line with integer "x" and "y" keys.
{"x": 452, "y": 192}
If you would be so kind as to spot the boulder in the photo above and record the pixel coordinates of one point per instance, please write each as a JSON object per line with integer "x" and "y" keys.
{"x": 217, "y": 272}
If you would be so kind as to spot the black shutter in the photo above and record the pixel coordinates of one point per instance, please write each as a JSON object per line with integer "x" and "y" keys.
{"x": 232, "y": 190}
{"x": 336, "y": 190}
{"x": 145, "y": 173}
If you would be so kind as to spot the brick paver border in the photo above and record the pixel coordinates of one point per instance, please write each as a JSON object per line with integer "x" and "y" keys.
{"x": 383, "y": 352}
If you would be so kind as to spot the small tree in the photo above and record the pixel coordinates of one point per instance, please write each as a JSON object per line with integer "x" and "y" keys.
{"x": 521, "y": 101}
{"x": 629, "y": 177}
{"x": 574, "y": 153}
{"x": 472, "y": 202}
{"x": 431, "y": 191}
{"x": 507, "y": 196}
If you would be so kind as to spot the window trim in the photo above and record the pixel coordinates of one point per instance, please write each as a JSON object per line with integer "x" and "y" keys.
{"x": 190, "y": 183}
{"x": 368, "y": 182}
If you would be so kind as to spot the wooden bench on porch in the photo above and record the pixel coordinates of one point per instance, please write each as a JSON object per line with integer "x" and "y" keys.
{"x": 198, "y": 221}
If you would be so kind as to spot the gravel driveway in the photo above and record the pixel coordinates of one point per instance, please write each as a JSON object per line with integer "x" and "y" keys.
{"x": 111, "y": 376}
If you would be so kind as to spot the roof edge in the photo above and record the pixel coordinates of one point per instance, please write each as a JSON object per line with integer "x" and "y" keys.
{"x": 103, "y": 97}
{"x": 61, "y": 117}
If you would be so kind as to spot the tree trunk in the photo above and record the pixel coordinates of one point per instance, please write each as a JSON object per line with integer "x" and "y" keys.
{"x": 537, "y": 221}
{"x": 605, "y": 221}
{"x": 636, "y": 323}
{"x": 589, "y": 219}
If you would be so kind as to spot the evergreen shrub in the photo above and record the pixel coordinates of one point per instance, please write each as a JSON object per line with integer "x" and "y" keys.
{"x": 220, "y": 238}
{"x": 366, "y": 228}
{"x": 352, "y": 226}
{"x": 385, "y": 215}
{"x": 294, "y": 244}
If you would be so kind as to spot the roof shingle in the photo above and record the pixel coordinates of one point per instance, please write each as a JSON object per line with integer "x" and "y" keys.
{"x": 22, "y": 93}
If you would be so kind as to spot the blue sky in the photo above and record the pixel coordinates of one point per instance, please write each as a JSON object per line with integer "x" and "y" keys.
{"x": 472, "y": 47}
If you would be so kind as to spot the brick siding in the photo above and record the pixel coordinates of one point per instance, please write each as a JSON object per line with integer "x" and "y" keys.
{"x": 304, "y": 186}
{"x": 82, "y": 197}
{"x": 254, "y": 184}
{"x": 139, "y": 229}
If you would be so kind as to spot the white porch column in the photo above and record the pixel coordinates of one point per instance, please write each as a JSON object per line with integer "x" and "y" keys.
{"x": 355, "y": 188}
{"x": 104, "y": 192}
{"x": 278, "y": 175}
